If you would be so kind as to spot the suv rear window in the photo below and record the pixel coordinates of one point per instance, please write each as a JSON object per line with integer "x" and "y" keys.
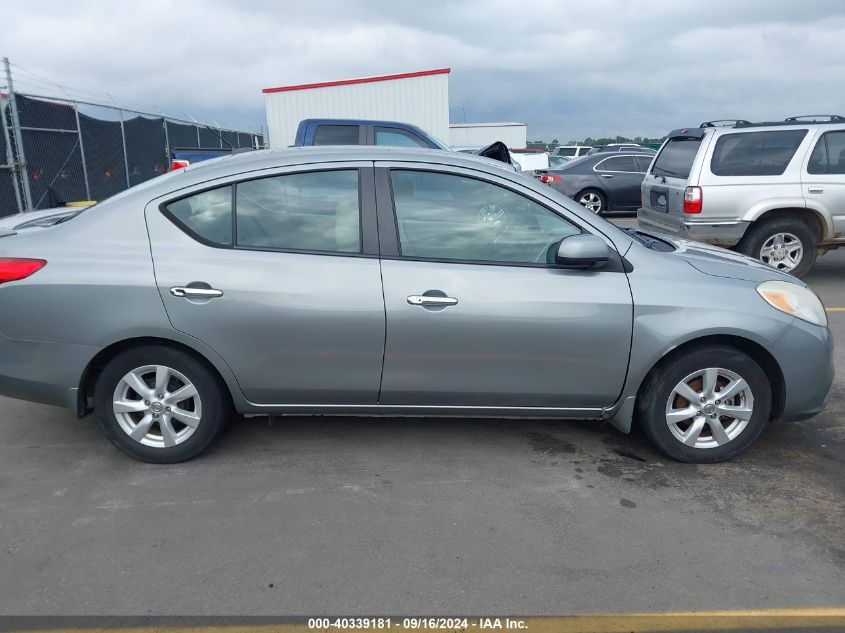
{"x": 755, "y": 153}
{"x": 336, "y": 135}
{"x": 676, "y": 157}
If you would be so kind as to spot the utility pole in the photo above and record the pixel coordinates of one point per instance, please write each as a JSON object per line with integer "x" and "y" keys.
{"x": 16, "y": 130}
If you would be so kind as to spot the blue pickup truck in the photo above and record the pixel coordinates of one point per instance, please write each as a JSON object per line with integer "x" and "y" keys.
{"x": 393, "y": 133}
{"x": 363, "y": 132}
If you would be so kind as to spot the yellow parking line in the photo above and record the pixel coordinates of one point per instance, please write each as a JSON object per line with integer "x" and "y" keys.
{"x": 835, "y": 309}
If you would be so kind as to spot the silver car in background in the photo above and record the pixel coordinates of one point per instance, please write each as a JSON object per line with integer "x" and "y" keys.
{"x": 388, "y": 281}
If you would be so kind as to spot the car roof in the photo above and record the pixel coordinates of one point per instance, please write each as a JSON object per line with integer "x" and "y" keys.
{"x": 257, "y": 160}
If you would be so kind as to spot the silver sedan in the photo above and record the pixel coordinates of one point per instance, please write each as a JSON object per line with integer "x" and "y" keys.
{"x": 387, "y": 281}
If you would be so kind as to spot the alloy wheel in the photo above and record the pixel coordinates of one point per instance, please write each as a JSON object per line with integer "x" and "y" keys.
{"x": 157, "y": 406}
{"x": 709, "y": 408}
{"x": 782, "y": 251}
{"x": 591, "y": 201}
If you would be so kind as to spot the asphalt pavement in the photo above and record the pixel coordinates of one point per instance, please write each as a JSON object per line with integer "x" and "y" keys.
{"x": 375, "y": 516}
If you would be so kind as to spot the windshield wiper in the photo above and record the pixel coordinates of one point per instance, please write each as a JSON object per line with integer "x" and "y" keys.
{"x": 668, "y": 172}
{"x": 641, "y": 238}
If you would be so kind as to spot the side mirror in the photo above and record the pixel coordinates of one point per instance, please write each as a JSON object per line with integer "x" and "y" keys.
{"x": 582, "y": 251}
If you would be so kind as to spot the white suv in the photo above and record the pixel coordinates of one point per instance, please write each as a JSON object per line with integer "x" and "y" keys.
{"x": 773, "y": 191}
{"x": 571, "y": 151}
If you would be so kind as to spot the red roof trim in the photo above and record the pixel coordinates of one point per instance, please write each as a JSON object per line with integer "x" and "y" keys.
{"x": 362, "y": 80}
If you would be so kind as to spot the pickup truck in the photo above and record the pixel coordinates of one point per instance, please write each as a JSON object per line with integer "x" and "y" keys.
{"x": 393, "y": 133}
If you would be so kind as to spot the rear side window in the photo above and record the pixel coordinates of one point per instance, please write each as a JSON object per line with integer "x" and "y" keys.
{"x": 336, "y": 135}
{"x": 316, "y": 211}
{"x": 644, "y": 162}
{"x": 206, "y": 216}
{"x": 676, "y": 157}
{"x": 755, "y": 153}
{"x": 618, "y": 163}
{"x": 396, "y": 137}
{"x": 828, "y": 156}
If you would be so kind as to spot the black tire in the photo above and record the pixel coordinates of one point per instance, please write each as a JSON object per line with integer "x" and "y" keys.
{"x": 214, "y": 412}
{"x": 760, "y": 232}
{"x": 602, "y": 200}
{"x": 659, "y": 387}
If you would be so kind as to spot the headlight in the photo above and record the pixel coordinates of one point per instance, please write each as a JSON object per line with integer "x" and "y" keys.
{"x": 793, "y": 299}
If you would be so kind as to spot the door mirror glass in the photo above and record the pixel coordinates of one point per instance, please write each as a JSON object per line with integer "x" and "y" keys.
{"x": 582, "y": 251}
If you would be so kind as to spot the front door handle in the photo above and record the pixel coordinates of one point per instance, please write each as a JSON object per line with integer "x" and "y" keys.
{"x": 195, "y": 293}
{"x": 428, "y": 300}
{"x": 815, "y": 190}
{"x": 607, "y": 175}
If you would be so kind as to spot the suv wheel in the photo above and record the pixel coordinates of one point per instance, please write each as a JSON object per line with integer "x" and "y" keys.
{"x": 593, "y": 200}
{"x": 705, "y": 406}
{"x": 159, "y": 405}
{"x": 783, "y": 243}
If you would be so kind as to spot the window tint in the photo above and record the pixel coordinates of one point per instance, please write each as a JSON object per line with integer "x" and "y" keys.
{"x": 443, "y": 216}
{"x": 617, "y": 163}
{"x": 755, "y": 153}
{"x": 676, "y": 157}
{"x": 395, "y": 136}
{"x": 336, "y": 135}
{"x": 644, "y": 162}
{"x": 565, "y": 151}
{"x": 315, "y": 211}
{"x": 828, "y": 156}
{"x": 207, "y": 215}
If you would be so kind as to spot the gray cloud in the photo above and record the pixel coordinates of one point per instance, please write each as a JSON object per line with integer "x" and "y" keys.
{"x": 568, "y": 69}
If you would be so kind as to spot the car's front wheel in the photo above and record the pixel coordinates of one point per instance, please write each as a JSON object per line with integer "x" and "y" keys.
{"x": 705, "y": 406}
{"x": 159, "y": 404}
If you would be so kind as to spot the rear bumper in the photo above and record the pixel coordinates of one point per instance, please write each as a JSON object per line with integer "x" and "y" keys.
{"x": 48, "y": 373}
{"x": 805, "y": 355}
{"x": 720, "y": 233}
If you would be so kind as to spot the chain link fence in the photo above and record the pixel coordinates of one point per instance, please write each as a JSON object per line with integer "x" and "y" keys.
{"x": 54, "y": 151}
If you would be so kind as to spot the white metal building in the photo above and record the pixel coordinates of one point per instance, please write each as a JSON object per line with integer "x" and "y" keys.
{"x": 420, "y": 98}
{"x": 514, "y": 135}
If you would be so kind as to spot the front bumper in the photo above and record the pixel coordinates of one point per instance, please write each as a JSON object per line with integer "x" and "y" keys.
{"x": 48, "y": 373}
{"x": 720, "y": 233}
{"x": 804, "y": 353}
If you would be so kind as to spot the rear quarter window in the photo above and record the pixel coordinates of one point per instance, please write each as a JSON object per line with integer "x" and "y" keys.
{"x": 755, "y": 153}
{"x": 676, "y": 157}
{"x": 336, "y": 135}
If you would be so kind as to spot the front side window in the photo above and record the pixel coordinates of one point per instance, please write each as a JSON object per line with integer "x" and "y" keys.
{"x": 445, "y": 216}
{"x": 398, "y": 138}
{"x": 206, "y": 215}
{"x": 755, "y": 153}
{"x": 828, "y": 155}
{"x": 315, "y": 211}
{"x": 336, "y": 135}
{"x": 618, "y": 163}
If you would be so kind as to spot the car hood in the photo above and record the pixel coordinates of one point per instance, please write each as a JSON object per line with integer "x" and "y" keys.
{"x": 720, "y": 262}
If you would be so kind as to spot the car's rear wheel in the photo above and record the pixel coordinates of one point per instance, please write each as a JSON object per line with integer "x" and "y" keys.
{"x": 787, "y": 244}
{"x": 705, "y": 406}
{"x": 159, "y": 404}
{"x": 592, "y": 199}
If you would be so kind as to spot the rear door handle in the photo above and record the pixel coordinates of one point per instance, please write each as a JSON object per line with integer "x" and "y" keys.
{"x": 195, "y": 293}
{"x": 426, "y": 300}
{"x": 607, "y": 175}
{"x": 815, "y": 190}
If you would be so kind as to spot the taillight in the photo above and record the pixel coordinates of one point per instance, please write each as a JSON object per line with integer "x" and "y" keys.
{"x": 16, "y": 268}
{"x": 693, "y": 199}
{"x": 179, "y": 164}
{"x": 549, "y": 178}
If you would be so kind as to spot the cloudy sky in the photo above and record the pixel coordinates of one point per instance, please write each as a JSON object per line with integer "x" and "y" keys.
{"x": 568, "y": 68}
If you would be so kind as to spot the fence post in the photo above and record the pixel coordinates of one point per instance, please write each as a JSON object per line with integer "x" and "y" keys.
{"x": 166, "y": 145}
{"x": 125, "y": 152}
{"x": 82, "y": 151}
{"x": 16, "y": 131}
{"x": 10, "y": 157}
{"x": 199, "y": 143}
